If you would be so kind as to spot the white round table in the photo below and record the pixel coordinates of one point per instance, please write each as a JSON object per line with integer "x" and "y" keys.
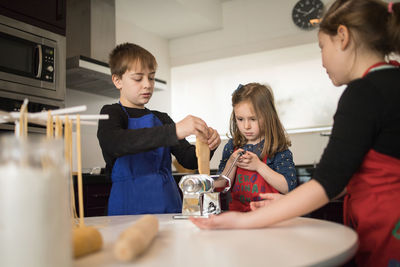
{"x": 296, "y": 242}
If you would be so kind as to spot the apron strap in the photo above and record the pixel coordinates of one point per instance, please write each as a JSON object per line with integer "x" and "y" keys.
{"x": 124, "y": 109}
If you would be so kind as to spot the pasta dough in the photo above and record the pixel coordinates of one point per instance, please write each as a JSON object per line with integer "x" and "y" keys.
{"x": 134, "y": 240}
{"x": 86, "y": 240}
{"x": 203, "y": 156}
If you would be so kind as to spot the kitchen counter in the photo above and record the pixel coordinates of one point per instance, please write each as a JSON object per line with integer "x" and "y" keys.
{"x": 96, "y": 190}
{"x": 296, "y": 242}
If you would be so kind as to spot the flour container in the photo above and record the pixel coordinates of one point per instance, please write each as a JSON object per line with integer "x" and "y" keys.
{"x": 35, "y": 225}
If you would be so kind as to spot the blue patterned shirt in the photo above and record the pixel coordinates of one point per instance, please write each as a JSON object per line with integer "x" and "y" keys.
{"x": 281, "y": 163}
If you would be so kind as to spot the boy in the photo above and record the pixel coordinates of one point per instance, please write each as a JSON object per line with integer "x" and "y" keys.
{"x": 137, "y": 143}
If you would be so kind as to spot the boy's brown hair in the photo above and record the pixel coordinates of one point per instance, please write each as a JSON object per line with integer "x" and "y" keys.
{"x": 124, "y": 56}
{"x": 262, "y": 99}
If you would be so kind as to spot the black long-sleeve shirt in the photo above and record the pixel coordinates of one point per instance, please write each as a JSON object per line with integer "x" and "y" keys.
{"x": 367, "y": 117}
{"x": 116, "y": 140}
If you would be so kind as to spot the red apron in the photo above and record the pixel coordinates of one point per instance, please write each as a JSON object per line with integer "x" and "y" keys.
{"x": 372, "y": 208}
{"x": 247, "y": 187}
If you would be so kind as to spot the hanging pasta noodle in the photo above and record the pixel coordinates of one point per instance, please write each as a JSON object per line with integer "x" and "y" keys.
{"x": 49, "y": 125}
{"x": 79, "y": 165}
{"x": 58, "y": 128}
{"x": 86, "y": 239}
{"x": 25, "y": 132}
{"x": 68, "y": 158}
{"x": 23, "y": 120}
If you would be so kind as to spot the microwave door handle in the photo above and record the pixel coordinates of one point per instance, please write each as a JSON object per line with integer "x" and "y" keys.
{"x": 39, "y": 60}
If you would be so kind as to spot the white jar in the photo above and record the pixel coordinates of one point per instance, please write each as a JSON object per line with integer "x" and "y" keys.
{"x": 35, "y": 225}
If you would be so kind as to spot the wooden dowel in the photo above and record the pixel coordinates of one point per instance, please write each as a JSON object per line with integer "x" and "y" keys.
{"x": 60, "y": 111}
{"x": 87, "y": 117}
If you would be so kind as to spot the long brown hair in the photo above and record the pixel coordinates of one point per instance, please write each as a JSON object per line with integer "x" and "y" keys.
{"x": 123, "y": 56}
{"x": 262, "y": 99}
{"x": 373, "y": 23}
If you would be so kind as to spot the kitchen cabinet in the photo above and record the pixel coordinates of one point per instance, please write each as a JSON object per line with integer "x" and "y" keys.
{"x": 333, "y": 211}
{"x": 45, "y": 14}
{"x": 96, "y": 190}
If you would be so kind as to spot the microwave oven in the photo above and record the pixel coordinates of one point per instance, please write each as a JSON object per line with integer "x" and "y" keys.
{"x": 32, "y": 61}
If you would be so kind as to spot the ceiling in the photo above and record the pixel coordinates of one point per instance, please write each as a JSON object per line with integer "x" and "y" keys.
{"x": 172, "y": 18}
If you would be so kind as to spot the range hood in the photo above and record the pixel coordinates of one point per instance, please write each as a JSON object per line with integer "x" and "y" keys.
{"x": 90, "y": 39}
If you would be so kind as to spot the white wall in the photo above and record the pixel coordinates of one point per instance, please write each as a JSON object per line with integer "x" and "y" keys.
{"x": 158, "y": 46}
{"x": 249, "y": 26}
{"x": 307, "y": 149}
{"x": 304, "y": 95}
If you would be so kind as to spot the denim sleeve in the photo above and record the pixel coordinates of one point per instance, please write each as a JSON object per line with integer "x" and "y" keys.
{"x": 226, "y": 153}
{"x": 283, "y": 164}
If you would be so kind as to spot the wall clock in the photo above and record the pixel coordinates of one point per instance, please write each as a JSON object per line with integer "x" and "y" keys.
{"x": 306, "y": 10}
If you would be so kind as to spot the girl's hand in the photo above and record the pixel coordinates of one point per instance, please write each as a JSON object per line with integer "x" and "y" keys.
{"x": 233, "y": 157}
{"x": 235, "y": 154}
{"x": 267, "y": 199}
{"x": 249, "y": 161}
{"x": 226, "y": 220}
{"x": 213, "y": 138}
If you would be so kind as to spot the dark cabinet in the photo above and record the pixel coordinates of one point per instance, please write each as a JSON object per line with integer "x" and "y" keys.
{"x": 96, "y": 190}
{"x": 45, "y": 14}
{"x": 333, "y": 211}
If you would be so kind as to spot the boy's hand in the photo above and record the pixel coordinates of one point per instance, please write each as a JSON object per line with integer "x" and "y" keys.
{"x": 249, "y": 161}
{"x": 191, "y": 125}
{"x": 267, "y": 199}
{"x": 213, "y": 140}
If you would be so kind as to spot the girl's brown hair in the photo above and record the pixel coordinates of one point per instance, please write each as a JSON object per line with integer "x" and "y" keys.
{"x": 262, "y": 99}
{"x": 123, "y": 56}
{"x": 374, "y": 23}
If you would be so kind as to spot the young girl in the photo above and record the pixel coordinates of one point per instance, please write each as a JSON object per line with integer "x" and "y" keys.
{"x": 267, "y": 164}
{"x": 363, "y": 153}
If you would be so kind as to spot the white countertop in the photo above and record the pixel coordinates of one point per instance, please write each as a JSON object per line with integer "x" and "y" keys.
{"x": 297, "y": 242}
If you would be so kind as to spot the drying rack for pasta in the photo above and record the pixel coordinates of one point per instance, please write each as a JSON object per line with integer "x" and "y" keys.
{"x": 59, "y": 125}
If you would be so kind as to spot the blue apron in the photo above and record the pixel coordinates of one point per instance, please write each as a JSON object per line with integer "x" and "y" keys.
{"x": 143, "y": 183}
